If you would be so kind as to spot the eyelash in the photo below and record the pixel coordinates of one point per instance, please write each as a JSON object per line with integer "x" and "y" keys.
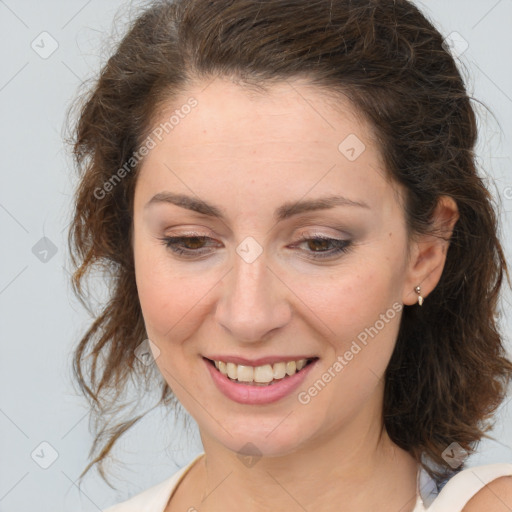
{"x": 172, "y": 243}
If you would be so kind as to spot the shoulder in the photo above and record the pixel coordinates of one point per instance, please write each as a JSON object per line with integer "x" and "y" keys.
{"x": 143, "y": 500}
{"x": 496, "y": 496}
{"x": 478, "y": 488}
{"x": 155, "y": 498}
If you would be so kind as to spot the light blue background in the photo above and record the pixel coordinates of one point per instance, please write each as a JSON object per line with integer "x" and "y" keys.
{"x": 41, "y": 320}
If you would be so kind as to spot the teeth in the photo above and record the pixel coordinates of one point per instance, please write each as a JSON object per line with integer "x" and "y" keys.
{"x": 291, "y": 367}
{"x": 263, "y": 373}
{"x": 260, "y": 374}
{"x": 231, "y": 370}
{"x": 245, "y": 373}
{"x": 279, "y": 370}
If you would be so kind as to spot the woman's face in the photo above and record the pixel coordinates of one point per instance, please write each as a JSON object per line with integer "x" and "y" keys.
{"x": 256, "y": 284}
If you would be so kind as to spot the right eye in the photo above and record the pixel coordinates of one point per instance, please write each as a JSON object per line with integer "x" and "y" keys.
{"x": 186, "y": 246}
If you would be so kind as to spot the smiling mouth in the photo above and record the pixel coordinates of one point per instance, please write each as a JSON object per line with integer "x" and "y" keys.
{"x": 265, "y": 375}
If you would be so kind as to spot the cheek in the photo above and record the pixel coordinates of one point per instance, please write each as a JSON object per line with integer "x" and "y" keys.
{"x": 165, "y": 296}
{"x": 360, "y": 310}
{"x": 353, "y": 298}
{"x": 168, "y": 302}
{"x": 175, "y": 299}
{"x": 364, "y": 328}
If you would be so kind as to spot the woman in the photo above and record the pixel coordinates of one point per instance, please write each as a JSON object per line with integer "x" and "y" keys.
{"x": 286, "y": 195}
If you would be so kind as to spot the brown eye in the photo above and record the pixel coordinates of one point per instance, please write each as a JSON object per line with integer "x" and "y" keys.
{"x": 186, "y": 246}
{"x": 193, "y": 242}
{"x": 318, "y": 243}
{"x": 318, "y": 246}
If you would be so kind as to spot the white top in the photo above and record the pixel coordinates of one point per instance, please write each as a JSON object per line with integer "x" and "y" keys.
{"x": 453, "y": 496}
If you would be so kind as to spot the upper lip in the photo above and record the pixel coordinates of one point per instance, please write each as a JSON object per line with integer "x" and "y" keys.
{"x": 259, "y": 361}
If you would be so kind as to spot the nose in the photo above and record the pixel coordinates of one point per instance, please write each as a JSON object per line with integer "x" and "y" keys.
{"x": 253, "y": 302}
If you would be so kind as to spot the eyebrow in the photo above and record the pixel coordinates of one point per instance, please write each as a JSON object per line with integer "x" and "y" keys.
{"x": 285, "y": 211}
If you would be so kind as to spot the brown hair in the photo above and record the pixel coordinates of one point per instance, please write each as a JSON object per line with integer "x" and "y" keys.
{"x": 449, "y": 370}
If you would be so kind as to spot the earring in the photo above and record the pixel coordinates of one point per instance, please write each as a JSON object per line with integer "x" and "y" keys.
{"x": 418, "y": 291}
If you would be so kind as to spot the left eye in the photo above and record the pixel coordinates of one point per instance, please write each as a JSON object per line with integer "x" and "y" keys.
{"x": 339, "y": 246}
{"x": 192, "y": 246}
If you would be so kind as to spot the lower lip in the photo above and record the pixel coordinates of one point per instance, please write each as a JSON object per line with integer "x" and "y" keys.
{"x": 256, "y": 395}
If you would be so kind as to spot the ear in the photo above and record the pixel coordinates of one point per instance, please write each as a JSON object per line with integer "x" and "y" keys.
{"x": 427, "y": 254}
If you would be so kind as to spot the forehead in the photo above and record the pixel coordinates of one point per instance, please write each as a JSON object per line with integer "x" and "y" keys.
{"x": 291, "y": 111}
{"x": 291, "y": 135}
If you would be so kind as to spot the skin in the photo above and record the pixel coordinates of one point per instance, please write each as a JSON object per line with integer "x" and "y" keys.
{"x": 494, "y": 497}
{"x": 248, "y": 154}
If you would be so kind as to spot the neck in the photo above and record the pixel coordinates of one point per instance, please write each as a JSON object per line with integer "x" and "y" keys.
{"x": 361, "y": 469}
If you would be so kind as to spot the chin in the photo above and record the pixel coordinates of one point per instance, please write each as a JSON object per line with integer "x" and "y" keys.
{"x": 273, "y": 437}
